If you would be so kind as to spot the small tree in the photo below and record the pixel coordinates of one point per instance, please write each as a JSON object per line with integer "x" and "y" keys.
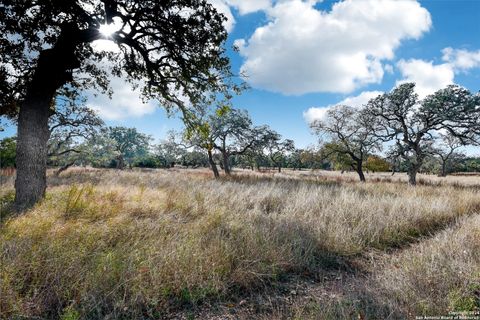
{"x": 415, "y": 125}
{"x": 71, "y": 124}
{"x": 277, "y": 149}
{"x": 200, "y": 135}
{"x": 350, "y": 133}
{"x": 446, "y": 150}
{"x": 253, "y": 158}
{"x": 170, "y": 152}
{"x": 295, "y": 159}
{"x": 234, "y": 134}
{"x": 129, "y": 143}
{"x": 312, "y": 158}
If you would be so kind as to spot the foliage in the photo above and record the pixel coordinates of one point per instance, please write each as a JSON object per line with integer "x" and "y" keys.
{"x": 469, "y": 164}
{"x": 172, "y": 54}
{"x": 99, "y": 150}
{"x": 376, "y": 164}
{"x": 148, "y": 161}
{"x": 350, "y": 135}
{"x": 71, "y": 126}
{"x": 276, "y": 149}
{"x": 169, "y": 151}
{"x": 415, "y": 125}
{"x": 338, "y": 160}
{"x": 313, "y": 158}
{"x": 8, "y": 151}
{"x": 129, "y": 144}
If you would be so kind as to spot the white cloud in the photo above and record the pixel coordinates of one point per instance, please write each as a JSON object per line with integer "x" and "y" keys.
{"x": 243, "y": 7}
{"x": 388, "y": 68}
{"x": 125, "y": 102}
{"x": 302, "y": 49}
{"x": 249, "y": 6}
{"x": 318, "y": 113}
{"x": 427, "y": 76}
{"x": 430, "y": 77}
{"x": 315, "y": 113}
{"x": 461, "y": 59}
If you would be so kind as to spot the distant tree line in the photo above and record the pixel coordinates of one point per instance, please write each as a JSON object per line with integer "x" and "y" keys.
{"x": 394, "y": 132}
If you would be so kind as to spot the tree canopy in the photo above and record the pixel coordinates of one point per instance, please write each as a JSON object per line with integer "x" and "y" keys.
{"x": 173, "y": 49}
{"x": 129, "y": 144}
{"x": 415, "y": 124}
{"x": 350, "y": 135}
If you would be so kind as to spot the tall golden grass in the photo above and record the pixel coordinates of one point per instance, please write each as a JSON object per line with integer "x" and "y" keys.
{"x": 139, "y": 245}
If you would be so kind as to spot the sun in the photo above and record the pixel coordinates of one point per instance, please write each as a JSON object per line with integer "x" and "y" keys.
{"x": 108, "y": 29}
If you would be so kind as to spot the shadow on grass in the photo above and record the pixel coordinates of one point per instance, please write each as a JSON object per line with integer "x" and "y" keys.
{"x": 308, "y": 261}
{"x": 289, "y": 181}
{"x": 7, "y": 206}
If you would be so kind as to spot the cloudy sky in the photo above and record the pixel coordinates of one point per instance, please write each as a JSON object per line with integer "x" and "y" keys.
{"x": 302, "y": 56}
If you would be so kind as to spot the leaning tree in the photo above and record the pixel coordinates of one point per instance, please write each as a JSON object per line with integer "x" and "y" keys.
{"x": 172, "y": 49}
{"x": 200, "y": 136}
{"x": 350, "y": 135}
{"x": 414, "y": 125}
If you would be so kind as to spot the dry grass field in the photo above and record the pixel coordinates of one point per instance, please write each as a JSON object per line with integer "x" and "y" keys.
{"x": 177, "y": 244}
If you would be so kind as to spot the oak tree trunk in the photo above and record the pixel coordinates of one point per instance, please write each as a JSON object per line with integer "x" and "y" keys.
{"x": 444, "y": 169}
{"x": 413, "y": 169}
{"x": 120, "y": 162}
{"x": 359, "y": 170}
{"x": 33, "y": 135}
{"x": 226, "y": 166}
{"x": 53, "y": 70}
{"x": 213, "y": 165}
{"x": 412, "y": 176}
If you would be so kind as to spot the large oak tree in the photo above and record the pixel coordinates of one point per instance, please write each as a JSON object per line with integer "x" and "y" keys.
{"x": 173, "y": 48}
{"x": 414, "y": 125}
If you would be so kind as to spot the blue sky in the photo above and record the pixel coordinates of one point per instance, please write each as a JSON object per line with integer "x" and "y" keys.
{"x": 304, "y": 55}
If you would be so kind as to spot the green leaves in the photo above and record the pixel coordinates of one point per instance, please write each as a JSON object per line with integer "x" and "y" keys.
{"x": 7, "y": 152}
{"x": 129, "y": 143}
{"x": 223, "y": 110}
